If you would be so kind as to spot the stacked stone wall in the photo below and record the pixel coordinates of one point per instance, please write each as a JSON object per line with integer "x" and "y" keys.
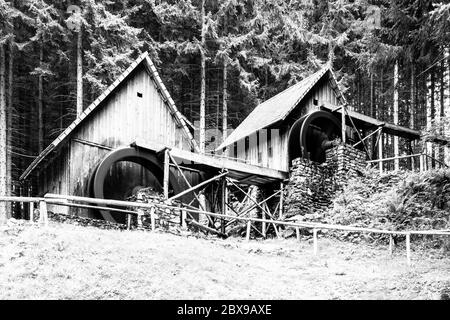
{"x": 312, "y": 186}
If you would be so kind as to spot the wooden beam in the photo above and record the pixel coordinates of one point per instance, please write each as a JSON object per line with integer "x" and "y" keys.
{"x": 368, "y": 136}
{"x": 380, "y": 151}
{"x": 186, "y": 180}
{"x": 357, "y": 131}
{"x": 343, "y": 125}
{"x": 392, "y": 158}
{"x": 249, "y": 177}
{"x": 281, "y": 200}
{"x": 218, "y": 162}
{"x": 198, "y": 186}
{"x": 92, "y": 144}
{"x": 224, "y": 203}
{"x": 206, "y": 228}
{"x": 255, "y": 202}
{"x": 251, "y": 208}
{"x": 166, "y": 174}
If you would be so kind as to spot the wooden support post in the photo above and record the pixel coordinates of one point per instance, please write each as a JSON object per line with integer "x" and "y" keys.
{"x": 166, "y": 174}
{"x": 128, "y": 221}
{"x": 297, "y": 233}
{"x": 43, "y": 215}
{"x": 152, "y": 218}
{"x": 224, "y": 203}
{"x": 391, "y": 244}
{"x": 408, "y": 248}
{"x": 31, "y": 209}
{"x": 249, "y": 225}
{"x": 421, "y": 163}
{"x": 281, "y": 200}
{"x": 187, "y": 181}
{"x": 380, "y": 152}
{"x": 263, "y": 224}
{"x": 315, "y": 241}
{"x": 201, "y": 184}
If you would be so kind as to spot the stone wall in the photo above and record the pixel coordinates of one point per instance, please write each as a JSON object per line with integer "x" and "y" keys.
{"x": 312, "y": 185}
{"x": 346, "y": 162}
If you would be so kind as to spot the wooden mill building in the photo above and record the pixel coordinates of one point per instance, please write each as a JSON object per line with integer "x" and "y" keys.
{"x": 137, "y": 106}
{"x": 121, "y": 140}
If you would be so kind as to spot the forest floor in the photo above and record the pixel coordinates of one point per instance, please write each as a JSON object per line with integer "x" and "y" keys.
{"x": 66, "y": 261}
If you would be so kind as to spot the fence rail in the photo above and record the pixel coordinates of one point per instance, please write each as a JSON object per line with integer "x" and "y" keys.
{"x": 424, "y": 161}
{"x": 105, "y": 204}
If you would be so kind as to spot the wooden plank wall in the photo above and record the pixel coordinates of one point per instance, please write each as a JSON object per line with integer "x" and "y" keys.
{"x": 54, "y": 178}
{"x": 276, "y": 138}
{"x": 125, "y": 118}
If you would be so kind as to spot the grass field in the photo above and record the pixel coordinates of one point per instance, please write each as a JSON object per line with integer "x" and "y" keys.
{"x": 73, "y": 262}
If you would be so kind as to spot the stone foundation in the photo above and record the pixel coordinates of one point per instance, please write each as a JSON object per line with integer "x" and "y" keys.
{"x": 312, "y": 185}
{"x": 346, "y": 162}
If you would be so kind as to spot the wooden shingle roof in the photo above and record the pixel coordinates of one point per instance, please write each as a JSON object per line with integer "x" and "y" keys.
{"x": 279, "y": 106}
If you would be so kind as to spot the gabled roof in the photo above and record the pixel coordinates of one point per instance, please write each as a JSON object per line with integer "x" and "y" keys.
{"x": 279, "y": 106}
{"x": 143, "y": 59}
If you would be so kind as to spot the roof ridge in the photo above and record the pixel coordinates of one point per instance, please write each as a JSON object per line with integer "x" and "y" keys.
{"x": 292, "y": 86}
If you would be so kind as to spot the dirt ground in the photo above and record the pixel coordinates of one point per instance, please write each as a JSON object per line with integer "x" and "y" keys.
{"x": 74, "y": 262}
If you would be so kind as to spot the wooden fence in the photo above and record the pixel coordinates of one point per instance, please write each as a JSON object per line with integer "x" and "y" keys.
{"x": 424, "y": 161}
{"x": 106, "y": 204}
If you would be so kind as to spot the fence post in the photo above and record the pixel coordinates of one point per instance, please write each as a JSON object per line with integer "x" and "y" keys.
{"x": 152, "y": 218}
{"x": 297, "y": 233}
{"x": 183, "y": 219}
{"x": 31, "y": 211}
{"x": 391, "y": 244}
{"x": 408, "y": 248}
{"x": 43, "y": 215}
{"x": 421, "y": 162}
{"x": 249, "y": 224}
{"x": 128, "y": 221}
{"x": 315, "y": 241}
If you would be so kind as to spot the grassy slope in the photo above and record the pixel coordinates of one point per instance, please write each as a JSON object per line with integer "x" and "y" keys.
{"x": 72, "y": 262}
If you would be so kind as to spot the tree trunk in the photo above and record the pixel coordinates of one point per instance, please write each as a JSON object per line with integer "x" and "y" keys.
{"x": 202, "y": 84}
{"x": 396, "y": 148}
{"x": 411, "y": 111}
{"x": 225, "y": 103}
{"x": 431, "y": 110}
{"x": 447, "y": 111}
{"x": 41, "y": 102}
{"x": 412, "y": 102}
{"x": 442, "y": 109}
{"x": 79, "y": 72}
{"x": 9, "y": 125}
{"x": 3, "y": 134}
{"x": 372, "y": 111}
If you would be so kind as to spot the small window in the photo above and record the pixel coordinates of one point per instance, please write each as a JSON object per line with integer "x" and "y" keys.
{"x": 316, "y": 102}
{"x": 139, "y": 94}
